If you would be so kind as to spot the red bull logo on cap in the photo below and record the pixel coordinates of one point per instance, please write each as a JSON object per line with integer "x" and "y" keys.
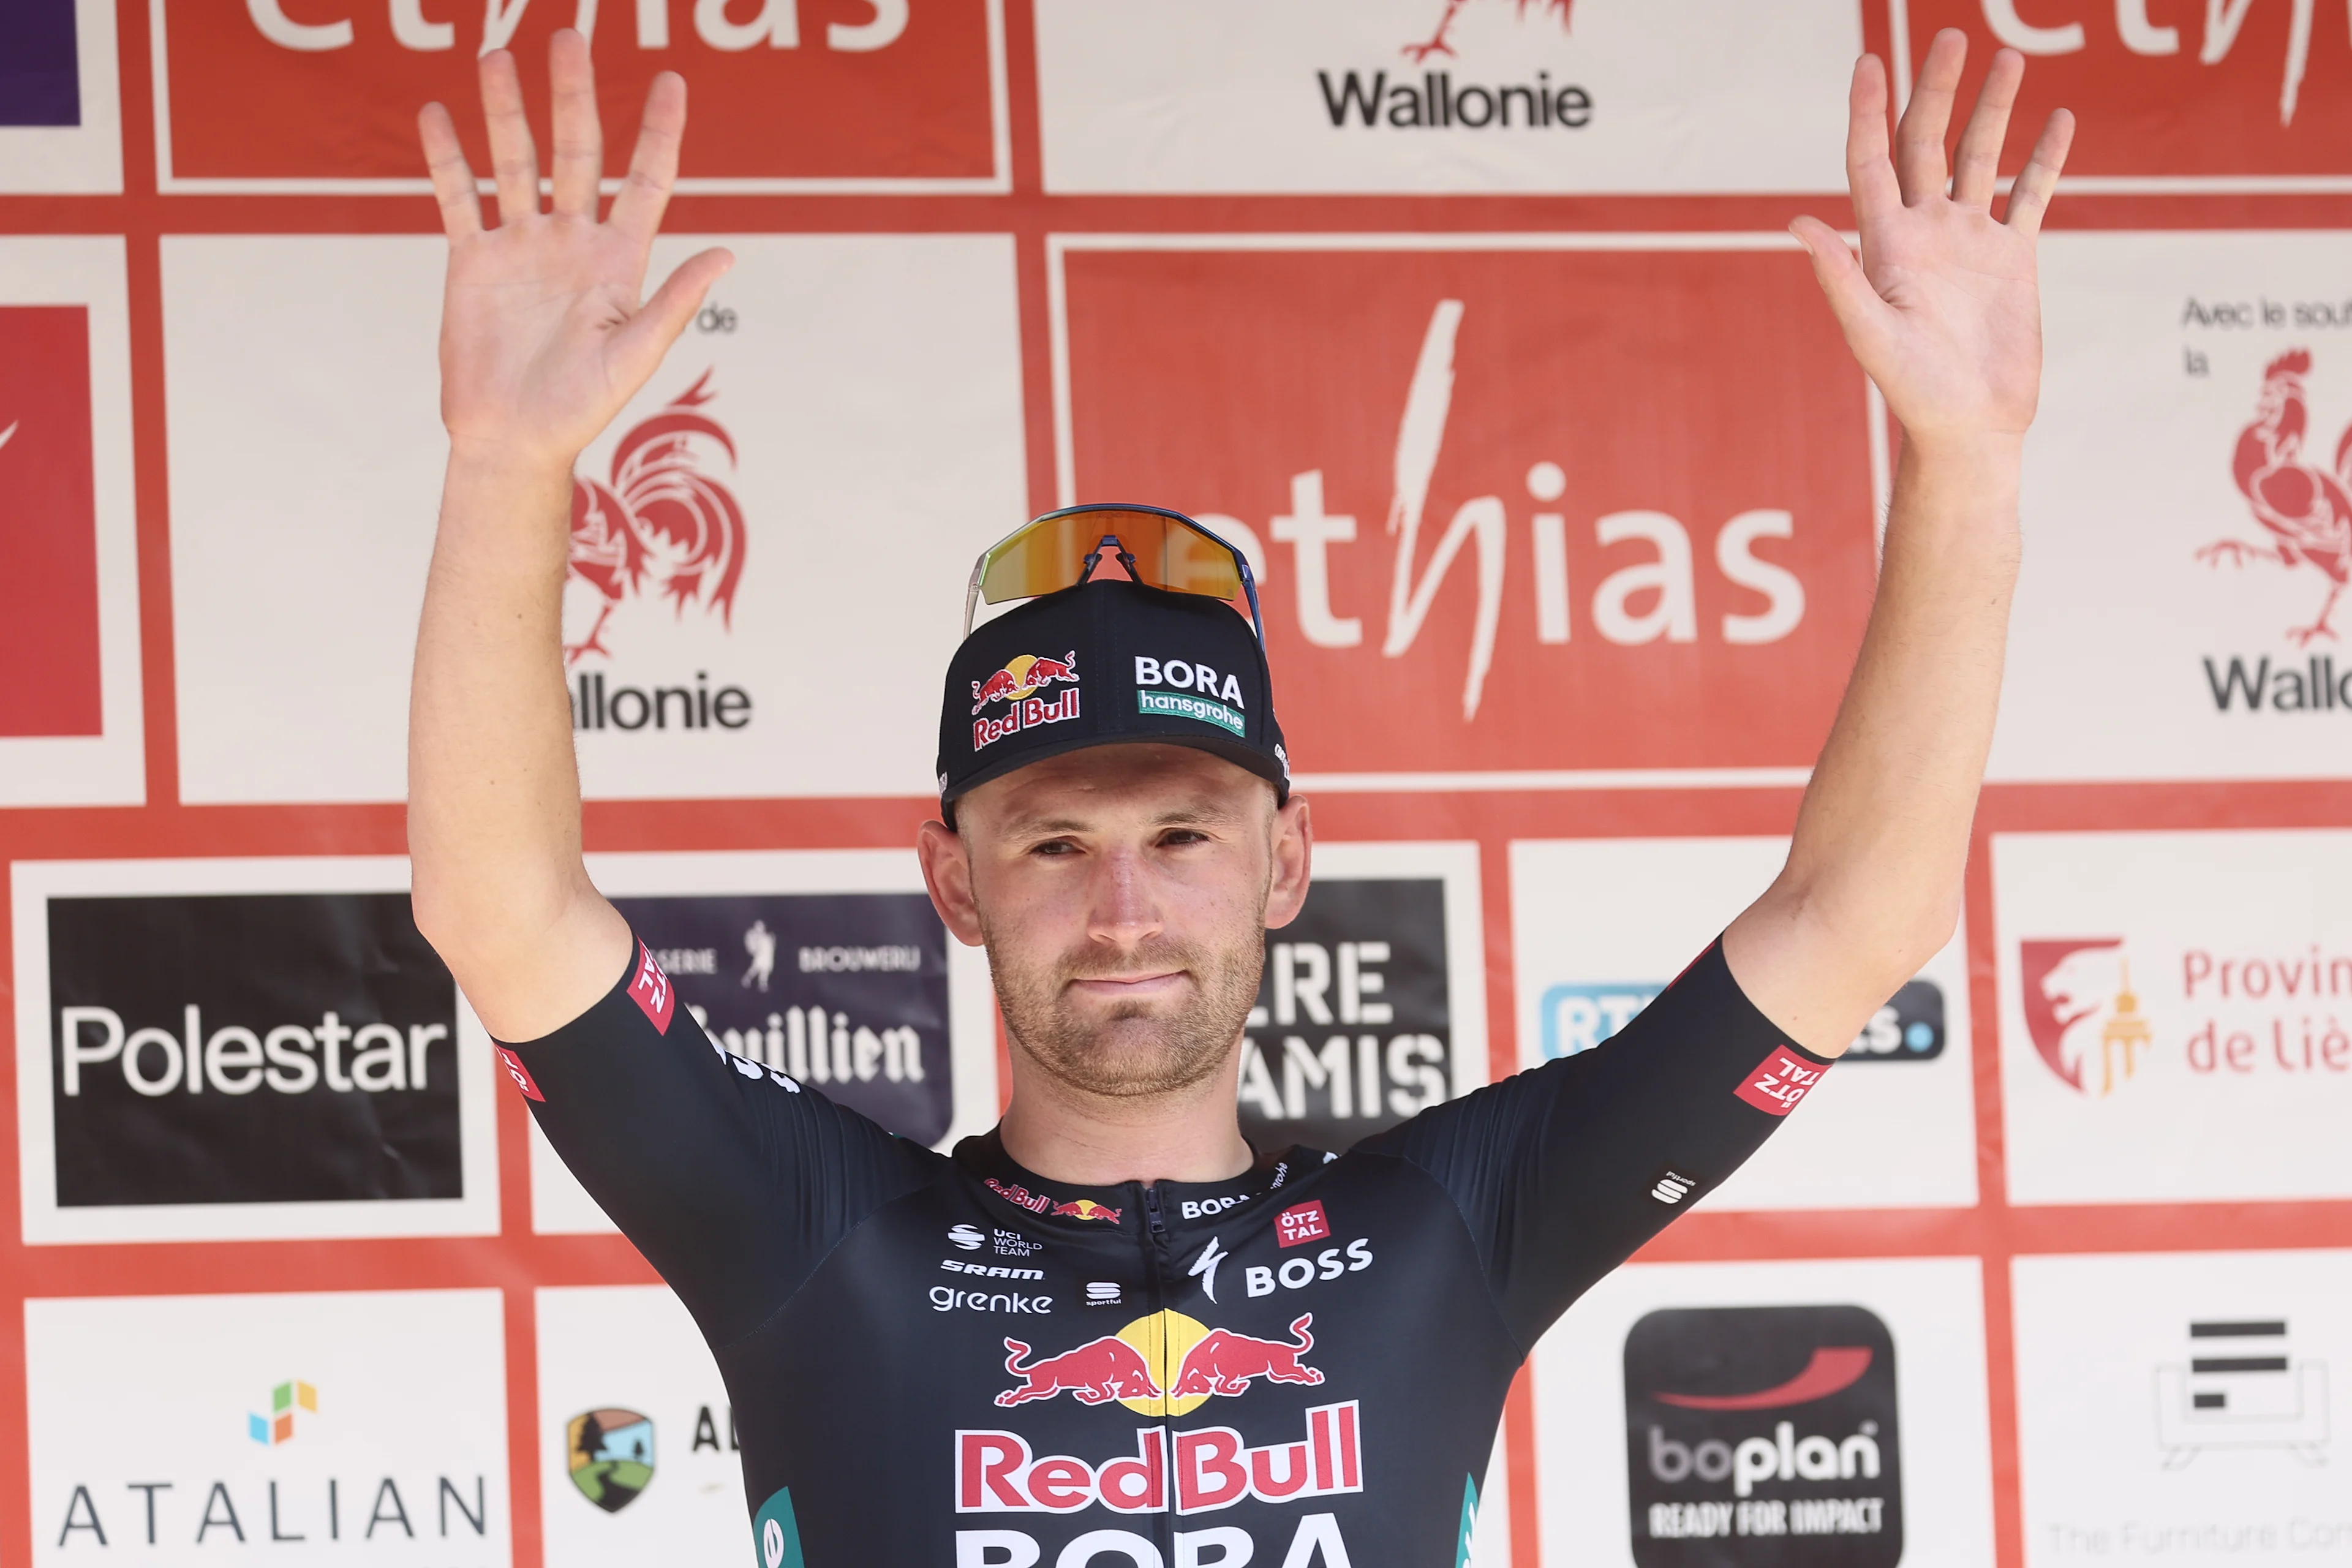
{"x": 997, "y": 1472}
{"x": 1017, "y": 686}
{"x": 1162, "y": 1364}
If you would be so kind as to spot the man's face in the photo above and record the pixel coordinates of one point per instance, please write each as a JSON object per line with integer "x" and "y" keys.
{"x": 1123, "y": 893}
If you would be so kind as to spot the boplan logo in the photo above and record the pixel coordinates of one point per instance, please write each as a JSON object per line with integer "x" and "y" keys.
{"x": 2302, "y": 507}
{"x": 1520, "y": 503}
{"x": 660, "y": 532}
{"x": 1763, "y": 1435}
{"x": 2244, "y": 96}
{"x": 788, "y": 94}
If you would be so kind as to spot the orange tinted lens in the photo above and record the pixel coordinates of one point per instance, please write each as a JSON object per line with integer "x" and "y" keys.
{"x": 1047, "y": 556}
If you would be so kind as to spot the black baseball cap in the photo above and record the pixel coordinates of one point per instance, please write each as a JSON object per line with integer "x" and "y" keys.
{"x": 1106, "y": 661}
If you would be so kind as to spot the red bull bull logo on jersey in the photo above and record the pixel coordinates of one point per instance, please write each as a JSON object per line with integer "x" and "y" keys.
{"x": 1017, "y": 686}
{"x": 1020, "y": 1196}
{"x": 1165, "y": 1363}
{"x": 1196, "y": 1471}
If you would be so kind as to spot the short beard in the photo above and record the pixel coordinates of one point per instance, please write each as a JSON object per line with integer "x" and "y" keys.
{"x": 1133, "y": 1054}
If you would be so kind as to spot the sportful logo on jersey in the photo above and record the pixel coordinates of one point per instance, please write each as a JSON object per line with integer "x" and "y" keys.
{"x": 1762, "y": 1437}
{"x": 272, "y": 92}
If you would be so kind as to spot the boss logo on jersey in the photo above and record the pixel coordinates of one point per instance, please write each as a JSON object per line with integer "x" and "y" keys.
{"x": 1299, "y": 1272}
{"x": 650, "y": 989}
{"x": 1780, "y": 1082}
{"x": 1015, "y": 686}
{"x": 997, "y": 1472}
{"x": 1759, "y": 1436}
{"x": 1298, "y": 1226}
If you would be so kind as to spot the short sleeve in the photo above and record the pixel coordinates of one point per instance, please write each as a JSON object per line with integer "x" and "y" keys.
{"x": 734, "y": 1179}
{"x": 1562, "y": 1172}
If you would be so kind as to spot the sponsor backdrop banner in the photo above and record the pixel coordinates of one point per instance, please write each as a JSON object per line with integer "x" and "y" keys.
{"x": 1476, "y": 324}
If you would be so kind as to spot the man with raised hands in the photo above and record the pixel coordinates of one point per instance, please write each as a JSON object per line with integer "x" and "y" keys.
{"x": 1111, "y": 1330}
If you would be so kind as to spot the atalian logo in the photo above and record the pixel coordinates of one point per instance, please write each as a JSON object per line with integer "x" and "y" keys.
{"x": 2080, "y": 1010}
{"x": 1022, "y": 675}
{"x": 659, "y": 525}
{"x": 1165, "y": 1363}
{"x": 609, "y": 1454}
{"x": 278, "y": 1427}
{"x": 2304, "y": 508}
{"x": 1437, "y": 43}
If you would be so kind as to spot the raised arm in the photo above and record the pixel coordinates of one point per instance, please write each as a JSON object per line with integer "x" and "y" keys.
{"x": 543, "y": 339}
{"x": 1943, "y": 314}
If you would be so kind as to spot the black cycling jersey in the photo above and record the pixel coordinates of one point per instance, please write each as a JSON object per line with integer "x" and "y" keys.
{"x": 940, "y": 1360}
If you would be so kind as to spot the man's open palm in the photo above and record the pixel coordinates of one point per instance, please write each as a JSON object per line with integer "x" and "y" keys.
{"x": 1943, "y": 311}
{"x": 543, "y": 337}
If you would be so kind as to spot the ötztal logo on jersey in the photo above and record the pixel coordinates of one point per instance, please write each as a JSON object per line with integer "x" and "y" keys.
{"x": 1473, "y": 531}
{"x": 2211, "y": 1013}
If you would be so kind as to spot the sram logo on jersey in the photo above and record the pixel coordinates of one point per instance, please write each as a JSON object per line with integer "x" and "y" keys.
{"x": 996, "y": 1472}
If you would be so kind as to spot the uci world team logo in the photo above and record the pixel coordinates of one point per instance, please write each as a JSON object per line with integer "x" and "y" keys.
{"x": 1763, "y": 1438}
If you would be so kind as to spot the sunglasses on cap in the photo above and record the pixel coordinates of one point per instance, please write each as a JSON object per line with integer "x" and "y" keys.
{"x": 1160, "y": 549}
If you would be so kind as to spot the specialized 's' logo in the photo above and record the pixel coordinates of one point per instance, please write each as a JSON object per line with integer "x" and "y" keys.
{"x": 1437, "y": 43}
{"x": 2305, "y": 510}
{"x": 660, "y": 524}
{"x": 1163, "y": 1364}
{"x": 609, "y": 1455}
{"x": 278, "y": 1427}
{"x": 2080, "y": 1008}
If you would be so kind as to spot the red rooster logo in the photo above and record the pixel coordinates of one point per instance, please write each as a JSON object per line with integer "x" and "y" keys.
{"x": 659, "y": 522}
{"x": 2304, "y": 507}
{"x": 1417, "y": 53}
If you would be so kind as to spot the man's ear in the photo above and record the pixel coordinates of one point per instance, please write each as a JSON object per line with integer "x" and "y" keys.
{"x": 1293, "y": 852}
{"x": 947, "y": 872}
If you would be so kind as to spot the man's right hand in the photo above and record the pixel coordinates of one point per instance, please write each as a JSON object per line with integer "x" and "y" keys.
{"x": 542, "y": 341}
{"x": 542, "y": 335}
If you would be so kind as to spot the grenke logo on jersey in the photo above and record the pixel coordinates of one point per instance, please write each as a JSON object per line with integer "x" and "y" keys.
{"x": 661, "y": 532}
{"x": 323, "y": 92}
{"x": 2230, "y": 90}
{"x": 1352, "y": 1032}
{"x": 276, "y": 1048}
{"x": 1760, "y": 1436}
{"x": 1520, "y": 503}
{"x": 844, "y": 991}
